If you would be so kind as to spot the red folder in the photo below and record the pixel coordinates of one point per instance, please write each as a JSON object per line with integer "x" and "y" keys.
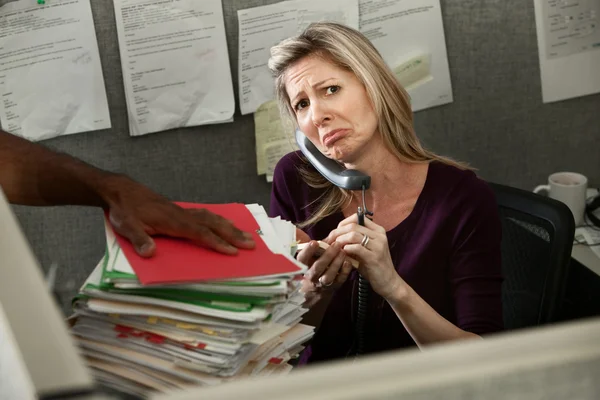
{"x": 181, "y": 261}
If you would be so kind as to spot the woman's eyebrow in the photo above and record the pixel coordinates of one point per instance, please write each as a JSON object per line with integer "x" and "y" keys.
{"x": 313, "y": 86}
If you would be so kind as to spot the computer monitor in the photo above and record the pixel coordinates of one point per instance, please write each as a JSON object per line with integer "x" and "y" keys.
{"x": 554, "y": 362}
{"x": 38, "y": 358}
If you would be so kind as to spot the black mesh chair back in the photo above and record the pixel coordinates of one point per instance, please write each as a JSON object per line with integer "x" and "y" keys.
{"x": 537, "y": 237}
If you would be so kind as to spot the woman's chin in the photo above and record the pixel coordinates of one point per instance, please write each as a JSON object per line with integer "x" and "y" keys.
{"x": 344, "y": 159}
{"x": 341, "y": 154}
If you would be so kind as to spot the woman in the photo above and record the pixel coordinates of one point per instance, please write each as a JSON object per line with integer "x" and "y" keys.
{"x": 431, "y": 252}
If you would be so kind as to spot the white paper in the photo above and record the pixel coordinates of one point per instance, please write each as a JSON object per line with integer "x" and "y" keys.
{"x": 15, "y": 381}
{"x": 568, "y": 34}
{"x": 175, "y": 63}
{"x": 260, "y": 28}
{"x": 50, "y": 74}
{"x": 274, "y": 152}
{"x": 591, "y": 236}
{"x": 571, "y": 27}
{"x": 405, "y": 30}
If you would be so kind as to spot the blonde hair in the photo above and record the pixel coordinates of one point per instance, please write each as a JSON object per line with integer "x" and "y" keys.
{"x": 350, "y": 50}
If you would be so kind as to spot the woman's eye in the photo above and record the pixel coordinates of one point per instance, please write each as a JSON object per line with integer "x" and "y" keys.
{"x": 301, "y": 104}
{"x": 333, "y": 89}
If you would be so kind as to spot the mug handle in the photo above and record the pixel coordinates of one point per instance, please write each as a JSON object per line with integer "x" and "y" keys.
{"x": 541, "y": 187}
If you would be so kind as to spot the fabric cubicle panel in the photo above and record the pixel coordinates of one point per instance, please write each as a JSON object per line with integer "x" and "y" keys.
{"x": 497, "y": 123}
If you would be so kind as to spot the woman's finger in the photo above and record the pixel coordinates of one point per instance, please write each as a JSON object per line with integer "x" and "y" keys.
{"x": 374, "y": 227}
{"x": 328, "y": 277}
{"x": 359, "y": 252}
{"x": 352, "y": 219}
{"x": 336, "y": 233}
{"x": 322, "y": 263}
{"x": 342, "y": 275}
{"x": 307, "y": 255}
{"x": 352, "y": 237}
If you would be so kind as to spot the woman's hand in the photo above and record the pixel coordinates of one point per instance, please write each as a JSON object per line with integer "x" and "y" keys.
{"x": 327, "y": 271}
{"x": 369, "y": 245}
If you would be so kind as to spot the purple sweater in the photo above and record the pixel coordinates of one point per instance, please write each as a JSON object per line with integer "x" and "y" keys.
{"x": 447, "y": 250}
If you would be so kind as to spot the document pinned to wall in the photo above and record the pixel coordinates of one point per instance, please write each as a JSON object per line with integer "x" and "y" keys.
{"x": 568, "y": 34}
{"x": 409, "y": 34}
{"x": 51, "y": 81}
{"x": 175, "y": 64}
{"x": 274, "y": 151}
{"x": 274, "y": 138}
{"x": 260, "y": 28}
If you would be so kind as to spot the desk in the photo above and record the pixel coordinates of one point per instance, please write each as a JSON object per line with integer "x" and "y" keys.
{"x": 582, "y": 291}
{"x": 586, "y": 257}
{"x": 583, "y": 254}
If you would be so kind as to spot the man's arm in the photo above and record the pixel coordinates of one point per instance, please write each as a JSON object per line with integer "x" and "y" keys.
{"x": 31, "y": 174}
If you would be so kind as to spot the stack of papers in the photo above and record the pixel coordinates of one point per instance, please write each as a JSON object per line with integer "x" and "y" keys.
{"x": 191, "y": 316}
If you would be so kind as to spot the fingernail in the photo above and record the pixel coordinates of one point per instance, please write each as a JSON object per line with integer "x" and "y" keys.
{"x": 247, "y": 236}
{"x": 346, "y": 264}
{"x": 314, "y": 244}
{"x": 145, "y": 248}
{"x": 231, "y": 249}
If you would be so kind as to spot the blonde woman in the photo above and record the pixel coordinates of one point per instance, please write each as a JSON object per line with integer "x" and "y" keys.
{"x": 432, "y": 250}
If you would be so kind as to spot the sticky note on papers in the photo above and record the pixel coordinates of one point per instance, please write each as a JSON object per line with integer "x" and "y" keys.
{"x": 269, "y": 128}
{"x": 274, "y": 151}
{"x": 414, "y": 72}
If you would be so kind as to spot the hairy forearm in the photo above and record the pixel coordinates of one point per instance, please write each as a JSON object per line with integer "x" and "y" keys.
{"x": 421, "y": 321}
{"x": 31, "y": 174}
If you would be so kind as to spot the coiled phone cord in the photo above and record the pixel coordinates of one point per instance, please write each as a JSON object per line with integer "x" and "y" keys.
{"x": 364, "y": 292}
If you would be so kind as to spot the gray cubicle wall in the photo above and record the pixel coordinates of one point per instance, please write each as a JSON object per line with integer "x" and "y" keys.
{"x": 497, "y": 122}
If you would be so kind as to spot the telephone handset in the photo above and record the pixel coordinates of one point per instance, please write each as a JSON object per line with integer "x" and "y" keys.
{"x": 335, "y": 173}
{"x": 348, "y": 179}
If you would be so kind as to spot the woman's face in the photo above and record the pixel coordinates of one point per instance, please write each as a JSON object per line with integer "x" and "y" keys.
{"x": 332, "y": 108}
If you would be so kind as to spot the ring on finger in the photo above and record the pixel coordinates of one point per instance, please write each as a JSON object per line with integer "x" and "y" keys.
{"x": 324, "y": 284}
{"x": 365, "y": 241}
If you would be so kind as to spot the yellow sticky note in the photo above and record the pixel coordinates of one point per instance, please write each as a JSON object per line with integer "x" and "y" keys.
{"x": 269, "y": 128}
{"x": 414, "y": 72}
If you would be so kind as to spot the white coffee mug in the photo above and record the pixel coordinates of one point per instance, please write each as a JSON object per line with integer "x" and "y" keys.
{"x": 570, "y": 188}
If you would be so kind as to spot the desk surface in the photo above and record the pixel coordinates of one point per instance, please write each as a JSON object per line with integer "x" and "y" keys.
{"x": 583, "y": 254}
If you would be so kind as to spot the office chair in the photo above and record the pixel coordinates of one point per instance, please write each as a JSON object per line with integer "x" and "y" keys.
{"x": 537, "y": 237}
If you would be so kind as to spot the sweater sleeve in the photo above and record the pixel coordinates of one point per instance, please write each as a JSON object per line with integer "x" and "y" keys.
{"x": 475, "y": 265}
{"x": 283, "y": 192}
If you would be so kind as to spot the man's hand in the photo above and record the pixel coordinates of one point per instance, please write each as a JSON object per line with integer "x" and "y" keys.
{"x": 31, "y": 174}
{"x": 138, "y": 213}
